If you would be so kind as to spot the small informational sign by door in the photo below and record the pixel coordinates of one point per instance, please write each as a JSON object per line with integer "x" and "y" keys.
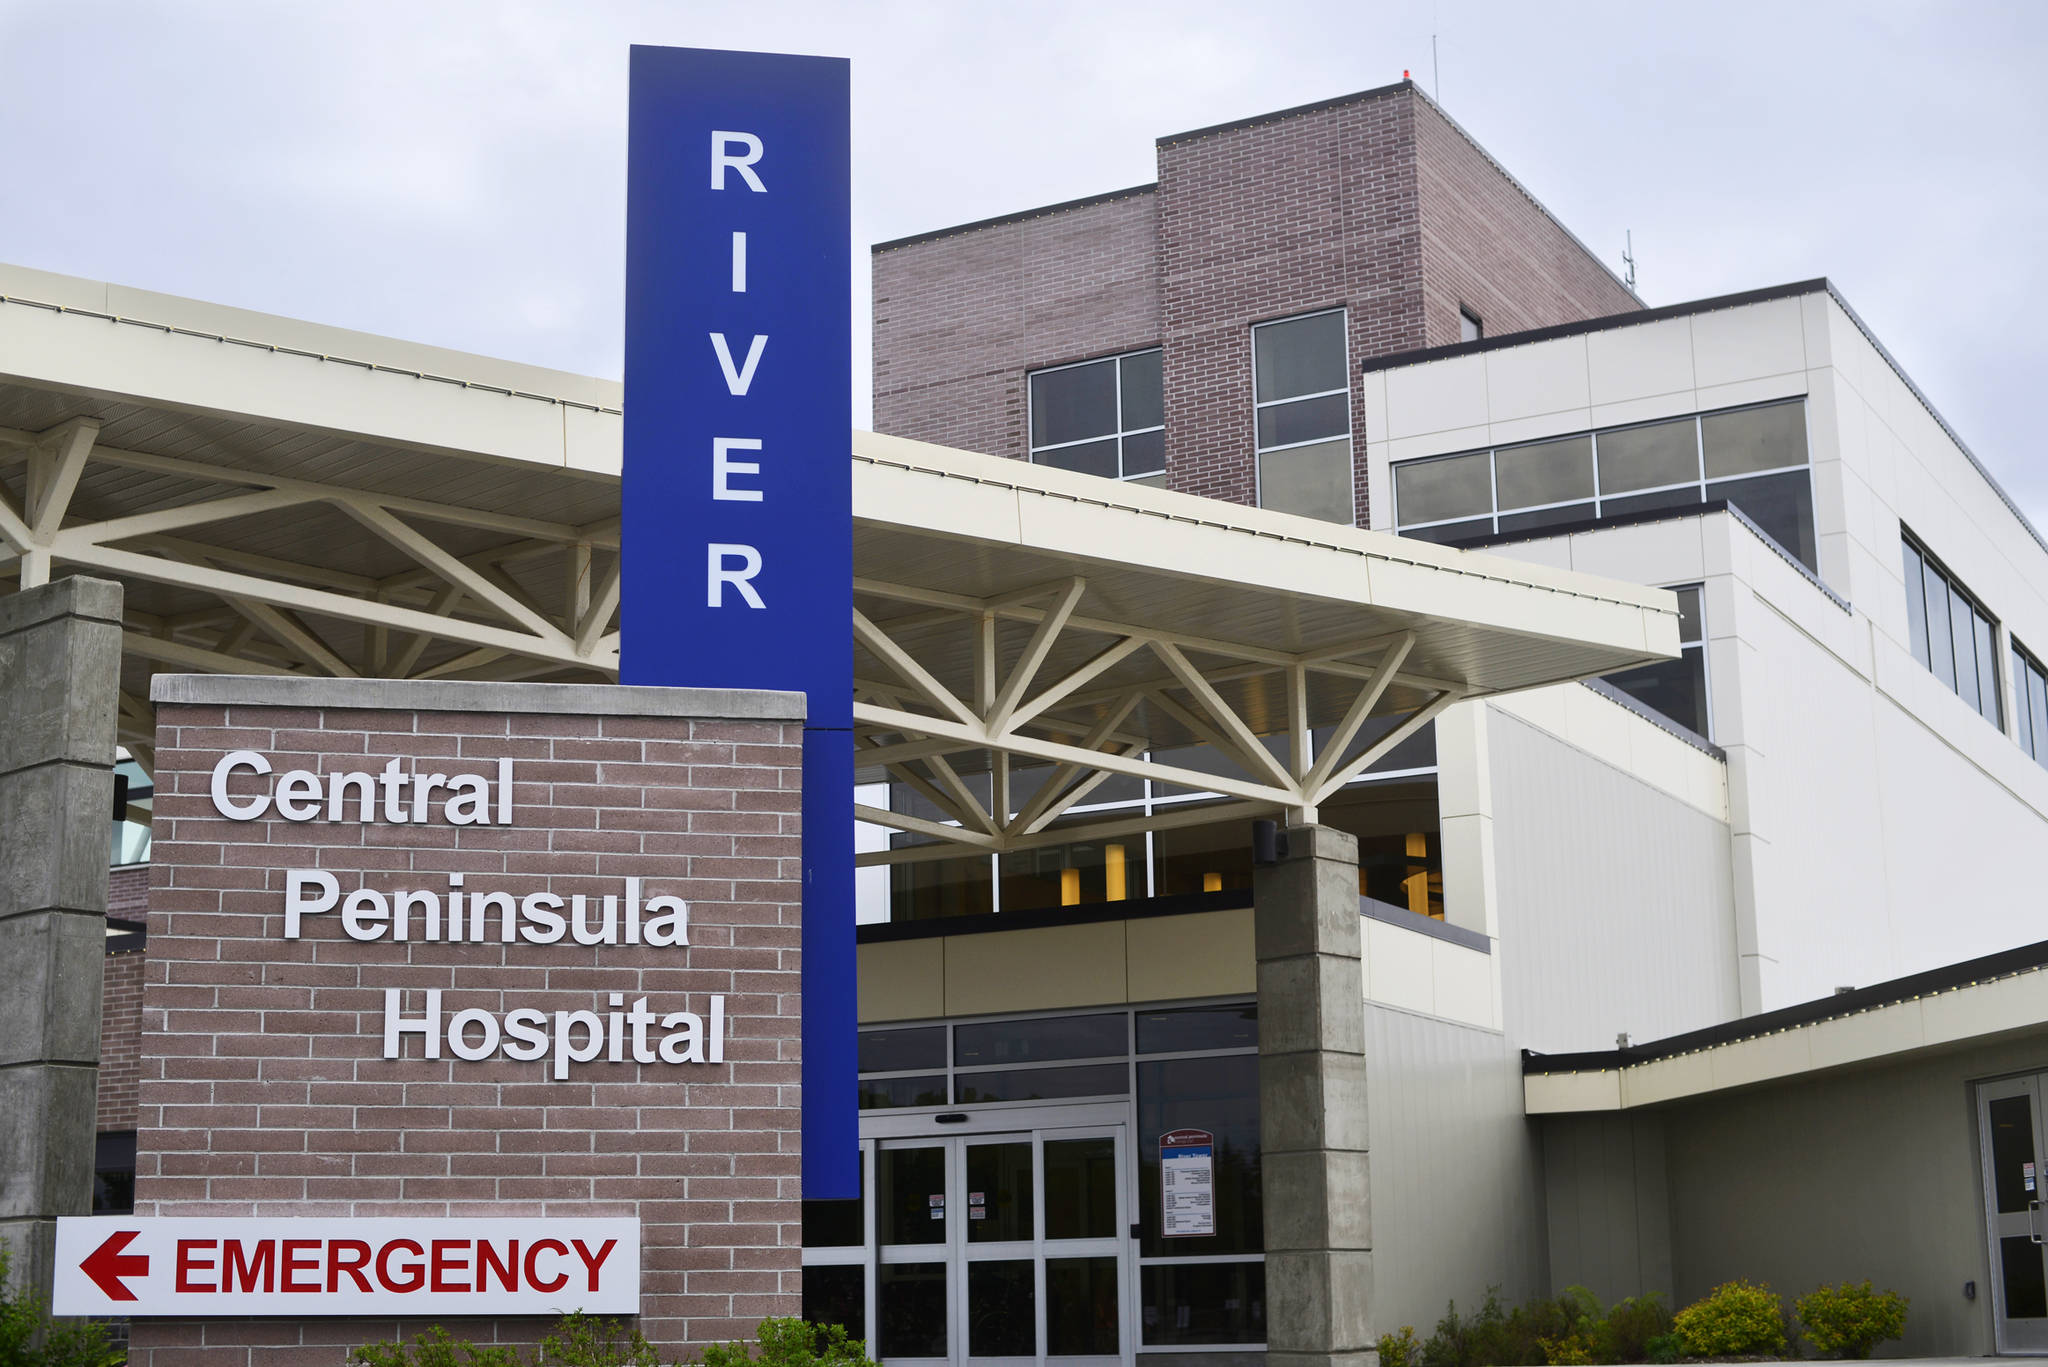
{"x": 388, "y": 1267}
{"x": 1187, "y": 1205}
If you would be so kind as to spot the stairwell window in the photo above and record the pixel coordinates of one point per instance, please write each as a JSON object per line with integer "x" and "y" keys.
{"x": 1470, "y": 329}
{"x": 1301, "y": 415}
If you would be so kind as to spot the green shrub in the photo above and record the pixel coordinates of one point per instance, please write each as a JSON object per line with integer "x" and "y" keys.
{"x": 1663, "y": 1350}
{"x": 30, "y": 1338}
{"x": 788, "y": 1342}
{"x": 1734, "y": 1319}
{"x": 1852, "y": 1319}
{"x": 1400, "y": 1350}
{"x": 587, "y": 1341}
{"x": 434, "y": 1348}
{"x": 1626, "y": 1331}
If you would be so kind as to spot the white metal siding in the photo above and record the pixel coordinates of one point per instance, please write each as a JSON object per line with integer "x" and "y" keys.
{"x": 1616, "y": 910}
{"x": 1457, "y": 1186}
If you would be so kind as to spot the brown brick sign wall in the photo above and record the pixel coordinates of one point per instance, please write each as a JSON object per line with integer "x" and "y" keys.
{"x": 265, "y": 1085}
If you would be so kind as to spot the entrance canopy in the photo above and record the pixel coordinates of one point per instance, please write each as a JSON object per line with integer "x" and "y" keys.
{"x": 278, "y": 497}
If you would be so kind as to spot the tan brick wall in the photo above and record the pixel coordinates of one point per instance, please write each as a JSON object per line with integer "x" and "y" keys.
{"x": 120, "y": 1038}
{"x": 960, "y": 319}
{"x": 1377, "y": 203}
{"x": 264, "y": 1090}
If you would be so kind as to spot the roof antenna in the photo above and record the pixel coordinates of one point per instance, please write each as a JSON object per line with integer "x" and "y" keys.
{"x": 1436, "y": 82}
{"x": 1628, "y": 258}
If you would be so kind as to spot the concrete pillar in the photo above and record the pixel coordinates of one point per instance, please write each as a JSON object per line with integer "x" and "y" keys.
{"x": 60, "y": 662}
{"x": 1312, "y": 1121}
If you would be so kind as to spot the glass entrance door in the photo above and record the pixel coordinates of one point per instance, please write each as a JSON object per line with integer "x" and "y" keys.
{"x": 1003, "y": 1249}
{"x": 2010, "y": 1129}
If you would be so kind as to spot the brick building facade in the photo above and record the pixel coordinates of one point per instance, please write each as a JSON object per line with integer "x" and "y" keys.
{"x": 265, "y": 1089}
{"x": 1375, "y": 202}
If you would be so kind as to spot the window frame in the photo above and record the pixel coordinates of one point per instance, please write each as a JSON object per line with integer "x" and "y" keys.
{"x": 1032, "y": 450}
{"x": 2030, "y": 738}
{"x": 1922, "y": 650}
{"x": 1349, "y": 436}
{"x": 1593, "y": 505}
{"x": 1466, "y": 315}
{"x": 1685, "y": 643}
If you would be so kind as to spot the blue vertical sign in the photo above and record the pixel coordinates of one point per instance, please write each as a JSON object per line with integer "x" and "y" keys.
{"x": 738, "y": 499}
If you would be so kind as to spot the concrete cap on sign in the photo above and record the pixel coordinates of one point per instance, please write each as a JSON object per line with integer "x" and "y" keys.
{"x": 456, "y": 695}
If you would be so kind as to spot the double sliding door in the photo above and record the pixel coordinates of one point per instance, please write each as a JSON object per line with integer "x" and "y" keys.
{"x": 1003, "y": 1248}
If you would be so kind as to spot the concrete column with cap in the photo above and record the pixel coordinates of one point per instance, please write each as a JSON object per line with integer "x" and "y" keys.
{"x": 1312, "y": 1118}
{"x": 60, "y": 669}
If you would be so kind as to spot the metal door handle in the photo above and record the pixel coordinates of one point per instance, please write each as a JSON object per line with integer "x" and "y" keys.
{"x": 2034, "y": 1220}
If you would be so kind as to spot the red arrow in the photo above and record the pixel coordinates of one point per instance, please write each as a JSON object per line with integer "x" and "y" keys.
{"x": 107, "y": 1265}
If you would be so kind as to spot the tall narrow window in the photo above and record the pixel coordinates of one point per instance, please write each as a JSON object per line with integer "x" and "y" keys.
{"x": 1104, "y": 417}
{"x": 1302, "y": 416}
{"x": 2030, "y": 702}
{"x": 1951, "y": 632}
{"x": 1470, "y": 329}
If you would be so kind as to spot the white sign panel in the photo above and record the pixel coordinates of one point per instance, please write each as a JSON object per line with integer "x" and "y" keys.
{"x": 1187, "y": 1206}
{"x": 314, "y": 1267}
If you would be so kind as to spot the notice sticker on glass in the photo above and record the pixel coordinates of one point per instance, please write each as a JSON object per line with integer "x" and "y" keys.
{"x": 938, "y": 1205}
{"x": 2027, "y": 1171}
{"x": 1187, "y": 1206}
{"x": 977, "y": 1212}
{"x": 974, "y": 1198}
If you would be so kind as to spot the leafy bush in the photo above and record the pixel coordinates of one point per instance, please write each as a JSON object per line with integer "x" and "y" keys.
{"x": 1735, "y": 1318}
{"x": 586, "y": 1341}
{"x": 1852, "y": 1319}
{"x": 1628, "y": 1329}
{"x": 793, "y": 1343}
{"x": 1400, "y": 1350}
{"x": 1663, "y": 1350}
{"x": 30, "y": 1338}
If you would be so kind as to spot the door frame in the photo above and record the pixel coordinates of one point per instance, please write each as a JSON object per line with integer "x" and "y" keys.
{"x": 2010, "y": 1337}
{"x": 1034, "y": 1122}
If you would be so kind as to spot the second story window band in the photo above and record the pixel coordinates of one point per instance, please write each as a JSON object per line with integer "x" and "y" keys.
{"x": 1754, "y": 457}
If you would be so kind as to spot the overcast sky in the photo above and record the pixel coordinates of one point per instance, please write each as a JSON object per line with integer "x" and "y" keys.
{"x": 455, "y": 173}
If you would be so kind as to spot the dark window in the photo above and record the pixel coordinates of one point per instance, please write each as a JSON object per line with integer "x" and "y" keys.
{"x": 837, "y": 1294}
{"x": 887, "y": 1093}
{"x": 899, "y": 1051}
{"x": 835, "y": 1224}
{"x": 1199, "y": 1027}
{"x": 1676, "y": 688}
{"x": 1220, "y": 1095}
{"x": 1039, "y": 1040}
{"x": 1041, "y": 1084}
{"x": 1102, "y": 417}
{"x": 1187, "y": 1303}
{"x": 113, "y": 1173}
{"x": 2030, "y": 702}
{"x": 1081, "y": 1307}
{"x": 912, "y": 1308}
{"x": 1951, "y": 632}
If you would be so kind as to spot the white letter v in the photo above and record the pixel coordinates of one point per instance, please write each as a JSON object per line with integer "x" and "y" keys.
{"x": 738, "y": 381}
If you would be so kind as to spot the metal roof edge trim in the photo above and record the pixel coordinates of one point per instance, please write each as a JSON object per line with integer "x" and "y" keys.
{"x": 2008, "y": 963}
{"x": 1015, "y": 216}
{"x": 458, "y": 695}
{"x": 172, "y": 330}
